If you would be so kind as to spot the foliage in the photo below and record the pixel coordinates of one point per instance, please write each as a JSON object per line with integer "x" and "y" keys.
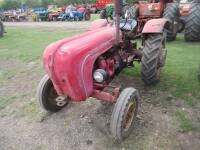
{"x": 9, "y": 4}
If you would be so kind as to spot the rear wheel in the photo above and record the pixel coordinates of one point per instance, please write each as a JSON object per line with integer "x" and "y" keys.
{"x": 48, "y": 98}
{"x": 87, "y": 16}
{"x": 103, "y": 14}
{"x": 124, "y": 114}
{"x": 171, "y": 13}
{"x": 153, "y": 59}
{"x": 1, "y": 29}
{"x": 192, "y": 29}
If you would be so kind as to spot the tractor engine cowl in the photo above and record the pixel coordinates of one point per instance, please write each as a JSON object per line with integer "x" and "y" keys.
{"x": 69, "y": 62}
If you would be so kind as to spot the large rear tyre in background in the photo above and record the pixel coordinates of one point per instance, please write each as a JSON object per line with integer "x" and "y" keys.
{"x": 103, "y": 14}
{"x": 154, "y": 57}
{"x": 1, "y": 29}
{"x": 171, "y": 13}
{"x": 124, "y": 114}
{"x": 87, "y": 16}
{"x": 47, "y": 96}
{"x": 192, "y": 28}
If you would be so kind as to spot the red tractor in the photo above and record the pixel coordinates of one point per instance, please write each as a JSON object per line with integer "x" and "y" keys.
{"x": 144, "y": 11}
{"x": 101, "y": 4}
{"x": 83, "y": 66}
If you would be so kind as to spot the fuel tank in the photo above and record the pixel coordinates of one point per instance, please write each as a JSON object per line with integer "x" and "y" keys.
{"x": 69, "y": 62}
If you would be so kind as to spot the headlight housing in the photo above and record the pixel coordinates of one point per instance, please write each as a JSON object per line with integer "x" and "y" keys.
{"x": 99, "y": 75}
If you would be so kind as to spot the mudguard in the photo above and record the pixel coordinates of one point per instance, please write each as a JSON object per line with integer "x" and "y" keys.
{"x": 155, "y": 26}
{"x": 69, "y": 62}
{"x": 99, "y": 24}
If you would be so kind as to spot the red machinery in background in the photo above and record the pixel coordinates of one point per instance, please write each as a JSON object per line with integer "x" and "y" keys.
{"x": 101, "y": 4}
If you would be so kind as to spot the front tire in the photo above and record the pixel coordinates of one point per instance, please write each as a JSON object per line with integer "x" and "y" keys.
{"x": 192, "y": 29}
{"x": 47, "y": 96}
{"x": 154, "y": 57}
{"x": 171, "y": 13}
{"x": 124, "y": 114}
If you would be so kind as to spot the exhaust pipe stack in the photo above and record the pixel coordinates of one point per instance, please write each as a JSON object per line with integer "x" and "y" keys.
{"x": 118, "y": 13}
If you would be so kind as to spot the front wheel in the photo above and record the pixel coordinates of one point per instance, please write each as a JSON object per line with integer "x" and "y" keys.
{"x": 47, "y": 96}
{"x": 124, "y": 114}
{"x": 153, "y": 59}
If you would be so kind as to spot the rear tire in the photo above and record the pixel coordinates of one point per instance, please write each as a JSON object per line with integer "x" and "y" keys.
{"x": 154, "y": 57}
{"x": 103, "y": 14}
{"x": 171, "y": 13}
{"x": 47, "y": 96}
{"x": 1, "y": 29}
{"x": 87, "y": 16}
{"x": 181, "y": 26}
{"x": 192, "y": 29}
{"x": 124, "y": 114}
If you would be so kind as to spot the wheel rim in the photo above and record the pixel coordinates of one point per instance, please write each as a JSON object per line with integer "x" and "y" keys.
{"x": 129, "y": 115}
{"x": 56, "y": 100}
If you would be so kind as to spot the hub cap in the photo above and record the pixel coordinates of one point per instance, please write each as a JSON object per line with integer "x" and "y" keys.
{"x": 129, "y": 115}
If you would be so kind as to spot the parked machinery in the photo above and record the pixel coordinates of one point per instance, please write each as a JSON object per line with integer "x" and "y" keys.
{"x": 39, "y": 14}
{"x": 75, "y": 14}
{"x": 147, "y": 10}
{"x": 83, "y": 66}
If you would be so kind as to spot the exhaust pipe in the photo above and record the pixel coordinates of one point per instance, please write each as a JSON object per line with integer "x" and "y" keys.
{"x": 118, "y": 13}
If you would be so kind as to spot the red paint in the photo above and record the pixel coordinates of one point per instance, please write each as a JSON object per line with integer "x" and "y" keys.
{"x": 101, "y": 4}
{"x": 100, "y": 95}
{"x": 98, "y": 24}
{"x": 154, "y": 26}
{"x": 69, "y": 62}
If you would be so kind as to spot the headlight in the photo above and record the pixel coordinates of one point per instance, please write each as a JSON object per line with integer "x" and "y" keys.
{"x": 100, "y": 75}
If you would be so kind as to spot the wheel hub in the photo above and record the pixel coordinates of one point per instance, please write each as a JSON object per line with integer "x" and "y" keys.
{"x": 61, "y": 101}
{"x": 129, "y": 115}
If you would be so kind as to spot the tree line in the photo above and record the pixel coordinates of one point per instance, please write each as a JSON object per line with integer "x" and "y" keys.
{"x": 9, "y": 4}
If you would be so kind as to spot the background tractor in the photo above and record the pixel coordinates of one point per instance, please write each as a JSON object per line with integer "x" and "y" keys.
{"x": 108, "y": 12}
{"x": 83, "y": 66}
{"x": 147, "y": 10}
{"x": 40, "y": 14}
{"x": 192, "y": 27}
{"x": 53, "y": 12}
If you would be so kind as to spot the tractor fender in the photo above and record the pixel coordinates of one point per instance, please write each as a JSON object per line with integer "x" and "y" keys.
{"x": 98, "y": 24}
{"x": 155, "y": 26}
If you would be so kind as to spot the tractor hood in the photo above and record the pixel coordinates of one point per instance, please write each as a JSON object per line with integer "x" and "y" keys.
{"x": 69, "y": 62}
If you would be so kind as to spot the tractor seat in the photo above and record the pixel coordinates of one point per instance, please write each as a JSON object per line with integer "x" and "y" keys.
{"x": 127, "y": 25}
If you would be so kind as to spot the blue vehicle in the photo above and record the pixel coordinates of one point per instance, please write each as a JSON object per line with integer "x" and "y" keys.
{"x": 41, "y": 12}
{"x": 73, "y": 14}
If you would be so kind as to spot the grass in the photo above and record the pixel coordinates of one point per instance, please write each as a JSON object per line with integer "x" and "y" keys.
{"x": 184, "y": 122}
{"x": 27, "y": 44}
{"x": 179, "y": 76}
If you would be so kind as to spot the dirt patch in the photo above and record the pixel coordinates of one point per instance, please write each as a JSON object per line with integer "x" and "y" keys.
{"x": 85, "y": 125}
{"x": 50, "y": 26}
